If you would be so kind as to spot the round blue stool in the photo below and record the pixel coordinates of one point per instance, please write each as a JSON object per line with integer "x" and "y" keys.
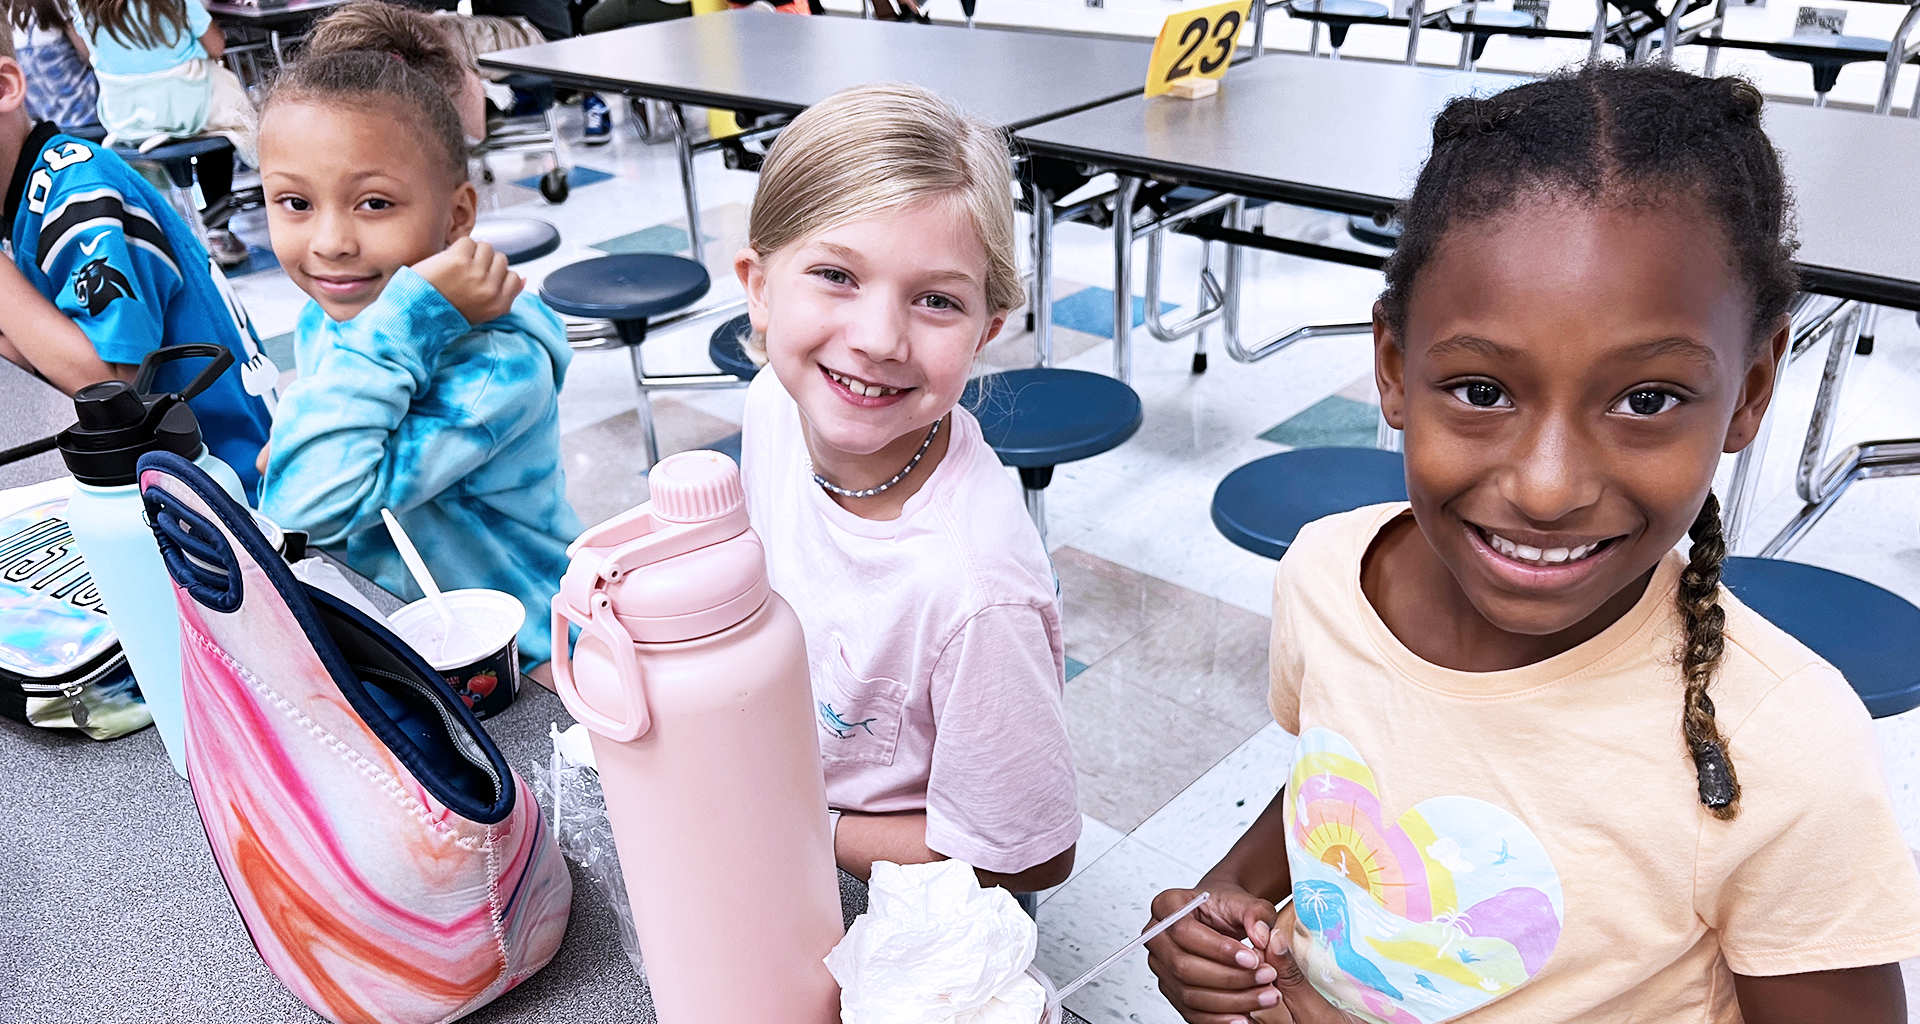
{"x": 1841, "y": 51}
{"x": 728, "y": 349}
{"x": 1262, "y": 505}
{"x": 176, "y": 158}
{"x": 1038, "y": 418}
{"x": 627, "y": 289}
{"x": 1865, "y": 632}
{"x": 519, "y": 238}
{"x": 1484, "y": 25}
{"x": 1369, "y": 230}
{"x": 1337, "y": 15}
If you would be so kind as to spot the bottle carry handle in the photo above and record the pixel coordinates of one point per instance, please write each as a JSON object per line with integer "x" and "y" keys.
{"x": 626, "y": 665}
{"x": 150, "y": 367}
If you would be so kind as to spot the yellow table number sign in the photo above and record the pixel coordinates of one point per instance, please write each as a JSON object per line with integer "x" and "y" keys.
{"x": 1195, "y": 44}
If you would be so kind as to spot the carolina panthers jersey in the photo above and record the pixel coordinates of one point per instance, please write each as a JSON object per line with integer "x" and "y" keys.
{"x": 103, "y": 245}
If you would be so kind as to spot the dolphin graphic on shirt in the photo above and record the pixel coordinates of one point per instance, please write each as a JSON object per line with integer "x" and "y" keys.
{"x": 839, "y": 726}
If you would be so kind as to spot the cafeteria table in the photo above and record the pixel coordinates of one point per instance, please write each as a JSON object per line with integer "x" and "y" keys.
{"x": 1351, "y": 136}
{"x": 112, "y": 908}
{"x": 780, "y": 64}
{"x": 271, "y": 18}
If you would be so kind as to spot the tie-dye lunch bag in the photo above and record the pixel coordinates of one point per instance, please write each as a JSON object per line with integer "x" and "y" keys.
{"x": 388, "y": 863}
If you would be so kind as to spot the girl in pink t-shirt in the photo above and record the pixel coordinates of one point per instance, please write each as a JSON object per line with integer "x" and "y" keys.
{"x": 880, "y": 260}
{"x": 1548, "y": 768}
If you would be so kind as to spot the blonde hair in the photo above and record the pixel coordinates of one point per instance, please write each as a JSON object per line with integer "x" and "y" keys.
{"x": 876, "y": 149}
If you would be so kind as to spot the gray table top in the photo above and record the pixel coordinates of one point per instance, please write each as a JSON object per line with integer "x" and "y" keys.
{"x": 111, "y": 908}
{"x": 1352, "y": 136}
{"x": 783, "y": 64}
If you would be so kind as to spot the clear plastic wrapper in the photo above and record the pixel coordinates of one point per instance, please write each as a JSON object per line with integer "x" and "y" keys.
{"x": 569, "y": 791}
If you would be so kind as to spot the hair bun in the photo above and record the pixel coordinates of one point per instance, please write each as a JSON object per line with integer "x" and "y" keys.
{"x": 1744, "y": 101}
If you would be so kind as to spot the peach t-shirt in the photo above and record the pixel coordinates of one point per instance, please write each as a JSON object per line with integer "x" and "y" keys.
{"x": 1529, "y": 845}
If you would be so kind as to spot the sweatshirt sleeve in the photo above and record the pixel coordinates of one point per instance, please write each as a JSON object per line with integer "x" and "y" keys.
{"x": 392, "y": 412}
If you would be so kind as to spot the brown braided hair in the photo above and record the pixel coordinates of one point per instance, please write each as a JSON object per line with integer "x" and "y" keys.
{"x": 1642, "y": 135}
{"x": 1700, "y": 651}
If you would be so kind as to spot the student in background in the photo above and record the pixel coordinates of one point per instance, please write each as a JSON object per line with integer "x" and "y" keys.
{"x": 157, "y": 64}
{"x": 60, "y": 82}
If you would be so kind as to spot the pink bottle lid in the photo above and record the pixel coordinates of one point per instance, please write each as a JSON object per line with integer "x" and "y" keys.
{"x": 694, "y": 487}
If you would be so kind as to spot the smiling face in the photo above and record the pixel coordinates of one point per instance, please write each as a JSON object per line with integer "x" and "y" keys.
{"x": 1569, "y": 378}
{"x": 872, "y": 327}
{"x": 346, "y": 207}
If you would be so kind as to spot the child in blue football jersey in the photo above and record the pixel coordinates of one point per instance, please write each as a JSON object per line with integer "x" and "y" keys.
{"x": 427, "y": 383}
{"x": 103, "y": 271}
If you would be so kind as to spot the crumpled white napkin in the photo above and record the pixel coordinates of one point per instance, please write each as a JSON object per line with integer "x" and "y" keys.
{"x": 935, "y": 948}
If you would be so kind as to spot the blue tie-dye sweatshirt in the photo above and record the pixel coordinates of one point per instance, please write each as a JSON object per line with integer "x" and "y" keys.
{"x": 456, "y": 428}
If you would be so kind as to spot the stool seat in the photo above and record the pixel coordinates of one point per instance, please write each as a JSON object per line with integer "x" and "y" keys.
{"x": 1865, "y": 632}
{"x": 178, "y": 149}
{"x": 1336, "y": 10}
{"x": 519, "y": 238}
{"x": 1840, "y": 51}
{"x": 1045, "y": 416}
{"x": 727, "y": 348}
{"x": 628, "y": 287}
{"x": 1262, "y": 505}
{"x": 1493, "y": 21}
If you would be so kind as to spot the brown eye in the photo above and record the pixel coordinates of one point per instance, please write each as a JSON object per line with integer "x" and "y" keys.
{"x": 1648, "y": 403}
{"x": 1481, "y": 394}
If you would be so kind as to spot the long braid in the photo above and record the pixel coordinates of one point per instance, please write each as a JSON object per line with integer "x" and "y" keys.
{"x": 1705, "y": 642}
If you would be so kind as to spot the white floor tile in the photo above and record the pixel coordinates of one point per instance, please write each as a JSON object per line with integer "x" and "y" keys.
{"x": 1099, "y": 912}
{"x": 1097, "y": 839}
{"x": 1199, "y": 826}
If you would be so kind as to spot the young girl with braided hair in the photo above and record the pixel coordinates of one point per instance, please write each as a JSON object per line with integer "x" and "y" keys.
{"x": 1548, "y": 768}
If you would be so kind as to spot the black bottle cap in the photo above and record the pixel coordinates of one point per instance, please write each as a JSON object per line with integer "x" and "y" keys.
{"x": 119, "y": 422}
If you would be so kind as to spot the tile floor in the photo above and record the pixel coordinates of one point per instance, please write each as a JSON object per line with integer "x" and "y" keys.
{"x": 1165, "y": 620}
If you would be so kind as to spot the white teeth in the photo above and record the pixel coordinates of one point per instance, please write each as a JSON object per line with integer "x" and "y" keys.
{"x": 861, "y": 387}
{"x": 1539, "y": 556}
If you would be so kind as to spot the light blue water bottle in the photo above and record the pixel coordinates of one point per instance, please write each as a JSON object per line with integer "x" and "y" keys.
{"x": 118, "y": 423}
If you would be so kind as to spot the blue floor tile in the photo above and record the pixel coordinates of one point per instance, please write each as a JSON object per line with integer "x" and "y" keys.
{"x": 259, "y": 258}
{"x": 577, "y": 177}
{"x": 1090, "y": 311}
{"x": 1074, "y": 668}
{"x": 279, "y": 348}
{"x": 1332, "y": 422}
{"x": 658, "y": 238}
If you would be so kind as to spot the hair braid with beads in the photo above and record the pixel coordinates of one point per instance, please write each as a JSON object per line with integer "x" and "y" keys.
{"x": 1644, "y": 136}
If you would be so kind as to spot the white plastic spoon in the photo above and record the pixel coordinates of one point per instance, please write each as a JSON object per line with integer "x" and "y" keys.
{"x": 415, "y": 565}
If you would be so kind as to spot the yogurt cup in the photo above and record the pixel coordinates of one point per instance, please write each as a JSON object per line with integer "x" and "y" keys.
{"x": 486, "y": 674}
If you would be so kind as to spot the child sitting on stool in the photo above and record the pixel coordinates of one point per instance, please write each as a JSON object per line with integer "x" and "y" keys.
{"x": 428, "y": 384}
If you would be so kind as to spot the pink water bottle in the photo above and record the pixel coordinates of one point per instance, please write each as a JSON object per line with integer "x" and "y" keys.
{"x": 691, "y": 675}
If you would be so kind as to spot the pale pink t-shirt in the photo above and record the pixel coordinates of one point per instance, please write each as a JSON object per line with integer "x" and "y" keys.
{"x": 1529, "y": 845}
{"x": 933, "y": 639}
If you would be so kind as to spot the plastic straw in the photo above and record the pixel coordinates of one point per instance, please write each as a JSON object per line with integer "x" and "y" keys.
{"x": 1145, "y": 937}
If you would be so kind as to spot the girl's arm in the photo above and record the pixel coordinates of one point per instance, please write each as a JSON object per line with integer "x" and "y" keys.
{"x": 862, "y": 839}
{"x": 1860, "y": 995}
{"x": 213, "y": 40}
{"x": 79, "y": 42}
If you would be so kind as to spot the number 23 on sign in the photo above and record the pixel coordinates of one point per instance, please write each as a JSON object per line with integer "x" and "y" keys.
{"x": 1195, "y": 44}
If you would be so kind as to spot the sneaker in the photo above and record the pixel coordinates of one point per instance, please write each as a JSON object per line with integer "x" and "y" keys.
{"x": 226, "y": 248}
{"x": 599, "y": 121}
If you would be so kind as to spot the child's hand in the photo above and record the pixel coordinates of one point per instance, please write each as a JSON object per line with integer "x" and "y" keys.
{"x": 1204, "y": 970}
{"x": 1304, "y": 1004}
{"x": 473, "y": 278}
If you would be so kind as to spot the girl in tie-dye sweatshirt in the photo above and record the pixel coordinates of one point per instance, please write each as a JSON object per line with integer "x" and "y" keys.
{"x": 427, "y": 383}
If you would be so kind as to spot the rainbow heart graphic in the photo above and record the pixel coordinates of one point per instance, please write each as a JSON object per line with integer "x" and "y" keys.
{"x": 1417, "y": 919}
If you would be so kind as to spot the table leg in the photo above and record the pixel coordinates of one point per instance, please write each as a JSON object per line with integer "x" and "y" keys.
{"x": 1417, "y": 13}
{"x": 1599, "y": 29}
{"x": 1123, "y": 275}
{"x": 1042, "y": 277}
{"x": 683, "y": 148}
{"x": 273, "y": 36}
{"x": 1259, "y": 15}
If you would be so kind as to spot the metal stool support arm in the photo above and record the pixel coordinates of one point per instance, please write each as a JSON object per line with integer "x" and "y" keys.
{"x": 1863, "y": 461}
{"x": 1210, "y": 311}
{"x": 1810, "y": 481}
{"x": 1898, "y": 53}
